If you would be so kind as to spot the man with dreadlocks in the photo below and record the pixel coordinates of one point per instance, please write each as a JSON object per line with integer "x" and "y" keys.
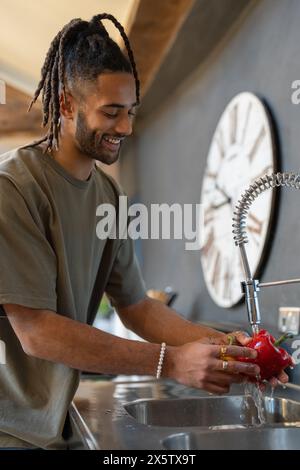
{"x": 54, "y": 269}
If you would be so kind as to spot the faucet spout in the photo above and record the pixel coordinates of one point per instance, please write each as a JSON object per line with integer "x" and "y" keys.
{"x": 250, "y": 286}
{"x": 255, "y": 329}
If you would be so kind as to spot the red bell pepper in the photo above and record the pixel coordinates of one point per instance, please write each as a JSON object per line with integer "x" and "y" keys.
{"x": 270, "y": 358}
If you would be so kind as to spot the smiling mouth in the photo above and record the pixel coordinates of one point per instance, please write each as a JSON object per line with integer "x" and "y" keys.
{"x": 111, "y": 143}
{"x": 112, "y": 140}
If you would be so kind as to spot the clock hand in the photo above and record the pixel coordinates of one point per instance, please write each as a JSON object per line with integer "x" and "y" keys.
{"x": 228, "y": 198}
{"x": 217, "y": 206}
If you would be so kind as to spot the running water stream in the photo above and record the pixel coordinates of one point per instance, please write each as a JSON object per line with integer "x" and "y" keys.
{"x": 254, "y": 390}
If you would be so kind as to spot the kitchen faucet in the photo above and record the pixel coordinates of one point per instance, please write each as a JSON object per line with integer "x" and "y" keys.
{"x": 251, "y": 287}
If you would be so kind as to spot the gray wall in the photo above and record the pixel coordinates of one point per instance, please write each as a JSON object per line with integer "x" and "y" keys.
{"x": 261, "y": 55}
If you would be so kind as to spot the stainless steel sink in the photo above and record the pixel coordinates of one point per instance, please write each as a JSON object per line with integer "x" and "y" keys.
{"x": 254, "y": 439}
{"x": 213, "y": 412}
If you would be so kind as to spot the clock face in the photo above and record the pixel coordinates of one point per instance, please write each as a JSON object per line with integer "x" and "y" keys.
{"x": 241, "y": 151}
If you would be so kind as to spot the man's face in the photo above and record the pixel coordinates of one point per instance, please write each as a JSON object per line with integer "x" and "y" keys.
{"x": 104, "y": 118}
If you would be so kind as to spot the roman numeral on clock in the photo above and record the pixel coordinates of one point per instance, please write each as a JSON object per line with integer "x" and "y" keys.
{"x": 208, "y": 247}
{"x": 260, "y": 137}
{"x": 233, "y": 123}
{"x": 246, "y": 123}
{"x": 219, "y": 139}
{"x": 255, "y": 227}
{"x": 208, "y": 215}
{"x": 216, "y": 270}
{"x": 227, "y": 283}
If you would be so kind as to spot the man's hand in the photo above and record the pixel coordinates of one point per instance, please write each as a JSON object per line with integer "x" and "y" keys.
{"x": 242, "y": 338}
{"x": 200, "y": 365}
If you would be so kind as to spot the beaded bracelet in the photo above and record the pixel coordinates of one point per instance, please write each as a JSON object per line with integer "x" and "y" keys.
{"x": 161, "y": 360}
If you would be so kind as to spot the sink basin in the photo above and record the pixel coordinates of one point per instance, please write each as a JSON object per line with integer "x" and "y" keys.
{"x": 253, "y": 439}
{"x": 213, "y": 412}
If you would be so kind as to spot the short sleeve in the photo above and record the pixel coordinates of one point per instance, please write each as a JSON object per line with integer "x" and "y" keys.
{"x": 27, "y": 260}
{"x": 125, "y": 284}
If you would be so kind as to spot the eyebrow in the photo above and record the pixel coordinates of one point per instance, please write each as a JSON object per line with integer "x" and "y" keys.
{"x": 118, "y": 105}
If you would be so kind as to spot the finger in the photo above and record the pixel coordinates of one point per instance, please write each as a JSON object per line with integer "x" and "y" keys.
{"x": 234, "y": 351}
{"x": 222, "y": 339}
{"x": 283, "y": 377}
{"x": 242, "y": 337}
{"x": 216, "y": 388}
{"x": 231, "y": 339}
{"x": 236, "y": 367}
{"x": 226, "y": 378}
{"x": 212, "y": 340}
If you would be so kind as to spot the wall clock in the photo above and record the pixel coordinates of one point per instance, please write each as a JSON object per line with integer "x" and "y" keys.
{"x": 242, "y": 150}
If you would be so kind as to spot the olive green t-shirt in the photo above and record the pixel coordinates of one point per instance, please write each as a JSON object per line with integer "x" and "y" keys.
{"x": 51, "y": 258}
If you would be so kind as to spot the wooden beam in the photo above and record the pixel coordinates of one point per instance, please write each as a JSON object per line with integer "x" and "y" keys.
{"x": 153, "y": 32}
{"x": 201, "y": 39}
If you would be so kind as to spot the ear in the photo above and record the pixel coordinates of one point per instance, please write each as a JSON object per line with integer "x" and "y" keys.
{"x": 67, "y": 105}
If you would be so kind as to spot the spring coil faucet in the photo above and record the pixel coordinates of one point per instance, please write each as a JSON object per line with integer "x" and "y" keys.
{"x": 251, "y": 287}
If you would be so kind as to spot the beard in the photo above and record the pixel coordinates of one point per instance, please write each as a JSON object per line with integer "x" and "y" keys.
{"x": 89, "y": 142}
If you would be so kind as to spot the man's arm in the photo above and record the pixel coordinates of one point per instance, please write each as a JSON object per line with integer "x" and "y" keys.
{"x": 155, "y": 322}
{"x": 47, "y": 335}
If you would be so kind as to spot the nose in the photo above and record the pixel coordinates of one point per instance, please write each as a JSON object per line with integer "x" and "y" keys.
{"x": 123, "y": 125}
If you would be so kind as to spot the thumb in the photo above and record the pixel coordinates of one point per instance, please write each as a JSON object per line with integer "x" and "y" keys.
{"x": 241, "y": 337}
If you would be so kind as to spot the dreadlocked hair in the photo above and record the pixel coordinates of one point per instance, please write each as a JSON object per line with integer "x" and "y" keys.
{"x": 79, "y": 52}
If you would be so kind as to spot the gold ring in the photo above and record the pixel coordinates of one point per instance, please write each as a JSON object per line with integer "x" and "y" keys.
{"x": 231, "y": 339}
{"x": 225, "y": 365}
{"x": 223, "y": 351}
